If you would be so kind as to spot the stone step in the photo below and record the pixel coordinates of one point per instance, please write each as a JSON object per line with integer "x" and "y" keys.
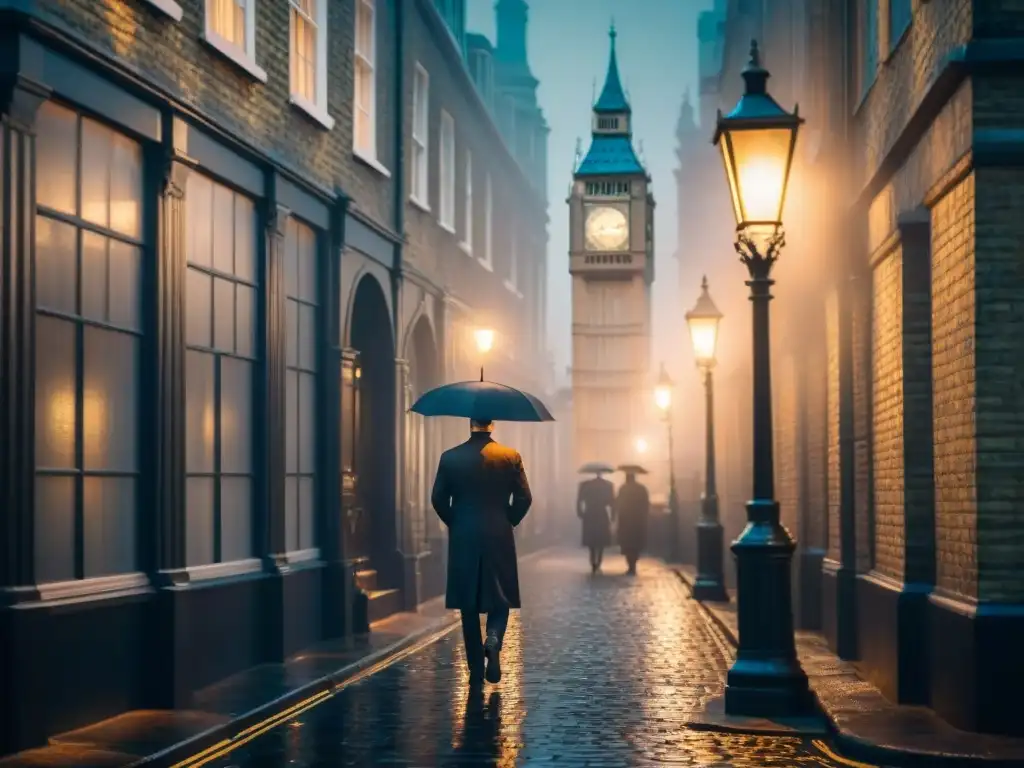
{"x": 367, "y": 579}
{"x": 383, "y": 603}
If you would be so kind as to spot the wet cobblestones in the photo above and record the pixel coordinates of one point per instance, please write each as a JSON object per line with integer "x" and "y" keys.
{"x": 598, "y": 671}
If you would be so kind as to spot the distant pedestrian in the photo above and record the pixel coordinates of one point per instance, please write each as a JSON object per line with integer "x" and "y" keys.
{"x": 481, "y": 493}
{"x": 595, "y": 506}
{"x": 632, "y": 507}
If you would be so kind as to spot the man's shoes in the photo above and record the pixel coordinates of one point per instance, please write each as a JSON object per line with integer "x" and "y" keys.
{"x": 476, "y": 675}
{"x": 492, "y": 652}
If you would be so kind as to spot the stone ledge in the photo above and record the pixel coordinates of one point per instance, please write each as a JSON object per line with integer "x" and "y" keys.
{"x": 863, "y": 722}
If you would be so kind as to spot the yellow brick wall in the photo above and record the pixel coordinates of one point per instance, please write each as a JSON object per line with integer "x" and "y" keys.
{"x": 832, "y": 421}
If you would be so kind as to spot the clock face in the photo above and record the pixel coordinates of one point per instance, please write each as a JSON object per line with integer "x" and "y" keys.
{"x": 606, "y": 229}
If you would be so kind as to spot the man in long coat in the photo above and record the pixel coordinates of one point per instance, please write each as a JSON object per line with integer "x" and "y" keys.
{"x": 632, "y": 508}
{"x": 595, "y": 506}
{"x": 481, "y": 494}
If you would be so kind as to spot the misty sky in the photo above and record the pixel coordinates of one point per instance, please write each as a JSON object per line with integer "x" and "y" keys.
{"x": 568, "y": 51}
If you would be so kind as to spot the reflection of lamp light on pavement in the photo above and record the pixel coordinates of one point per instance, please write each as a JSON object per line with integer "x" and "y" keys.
{"x": 484, "y": 338}
{"x": 640, "y": 445}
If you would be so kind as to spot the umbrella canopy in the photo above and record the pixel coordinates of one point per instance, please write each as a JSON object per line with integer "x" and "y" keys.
{"x": 632, "y": 469}
{"x": 482, "y": 401}
{"x": 596, "y": 468}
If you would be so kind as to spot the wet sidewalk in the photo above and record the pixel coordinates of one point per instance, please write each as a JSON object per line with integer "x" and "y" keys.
{"x": 163, "y": 737}
{"x": 864, "y": 723}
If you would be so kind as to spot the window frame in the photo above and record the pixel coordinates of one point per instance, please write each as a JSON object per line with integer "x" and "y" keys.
{"x": 487, "y": 258}
{"x": 446, "y": 171}
{"x": 467, "y": 203}
{"x": 317, "y": 107}
{"x": 419, "y": 162}
{"x": 367, "y": 60}
{"x": 243, "y": 56}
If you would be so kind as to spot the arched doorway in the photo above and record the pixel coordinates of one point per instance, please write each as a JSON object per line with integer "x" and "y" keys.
{"x": 371, "y": 529}
{"x": 422, "y": 439}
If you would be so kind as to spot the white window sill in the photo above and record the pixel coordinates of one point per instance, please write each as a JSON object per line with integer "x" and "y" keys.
{"x": 512, "y": 289}
{"x": 234, "y": 54}
{"x": 169, "y": 7}
{"x": 466, "y": 248}
{"x": 486, "y": 264}
{"x": 312, "y": 110}
{"x": 224, "y": 570}
{"x": 450, "y": 228}
{"x": 419, "y": 203}
{"x": 93, "y": 587}
{"x": 372, "y": 162}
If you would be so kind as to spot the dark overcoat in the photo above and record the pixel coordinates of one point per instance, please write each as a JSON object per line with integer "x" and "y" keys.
{"x": 595, "y": 504}
{"x": 481, "y": 494}
{"x": 632, "y": 507}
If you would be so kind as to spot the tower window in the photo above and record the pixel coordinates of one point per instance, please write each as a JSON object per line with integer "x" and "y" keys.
{"x": 607, "y": 123}
{"x": 607, "y": 188}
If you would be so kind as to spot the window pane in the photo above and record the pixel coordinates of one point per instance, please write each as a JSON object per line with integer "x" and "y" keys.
{"x": 307, "y": 423}
{"x": 307, "y": 337}
{"x": 199, "y": 411}
{"x": 56, "y": 265}
{"x": 223, "y": 229}
{"x": 245, "y": 239}
{"x": 291, "y": 513}
{"x": 94, "y": 276}
{"x": 199, "y": 219}
{"x": 307, "y": 533}
{"x": 223, "y": 315}
{"x": 95, "y": 179}
{"x": 125, "y": 285}
{"x": 235, "y": 415}
{"x": 198, "y": 297}
{"x": 56, "y": 157}
{"x": 291, "y": 418}
{"x": 235, "y": 518}
{"x": 291, "y": 338}
{"x": 54, "y": 536}
{"x": 307, "y": 264}
{"x": 110, "y": 400}
{"x": 126, "y": 186}
{"x": 109, "y": 526}
{"x": 199, "y": 520}
{"x": 245, "y": 331}
{"x": 56, "y": 411}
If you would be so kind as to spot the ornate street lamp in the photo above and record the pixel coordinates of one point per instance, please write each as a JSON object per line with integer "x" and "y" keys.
{"x": 484, "y": 338}
{"x": 663, "y": 399}
{"x": 703, "y": 322}
{"x": 757, "y": 140}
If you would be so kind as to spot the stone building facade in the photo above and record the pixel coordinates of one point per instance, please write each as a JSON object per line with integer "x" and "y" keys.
{"x": 897, "y": 343}
{"x": 230, "y": 235}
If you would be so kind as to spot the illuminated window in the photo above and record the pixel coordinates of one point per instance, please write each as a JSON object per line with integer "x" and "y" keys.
{"x": 220, "y": 358}
{"x": 231, "y": 29}
{"x": 309, "y": 57}
{"x": 419, "y": 189}
{"x": 446, "y": 161}
{"x": 88, "y": 268}
{"x": 365, "y": 132}
{"x": 300, "y": 245}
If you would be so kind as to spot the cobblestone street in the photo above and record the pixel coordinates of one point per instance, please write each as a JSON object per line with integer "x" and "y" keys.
{"x": 598, "y": 671}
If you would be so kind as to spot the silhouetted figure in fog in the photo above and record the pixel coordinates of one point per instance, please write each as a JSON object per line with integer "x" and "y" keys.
{"x": 631, "y": 509}
{"x": 481, "y": 494}
{"x": 595, "y": 506}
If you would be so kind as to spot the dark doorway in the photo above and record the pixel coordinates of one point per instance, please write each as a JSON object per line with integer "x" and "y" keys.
{"x": 373, "y": 534}
{"x": 423, "y": 436}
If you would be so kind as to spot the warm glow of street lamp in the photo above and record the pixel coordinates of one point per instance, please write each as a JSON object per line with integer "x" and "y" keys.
{"x": 757, "y": 139}
{"x": 703, "y": 322}
{"x": 641, "y": 445}
{"x": 484, "y": 338}
{"x": 663, "y": 391}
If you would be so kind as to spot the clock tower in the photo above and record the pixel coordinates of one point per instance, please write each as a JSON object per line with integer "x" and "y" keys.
{"x": 611, "y": 260}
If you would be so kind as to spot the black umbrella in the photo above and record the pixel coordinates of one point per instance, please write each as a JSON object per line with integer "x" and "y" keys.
{"x": 482, "y": 401}
{"x": 632, "y": 469}
{"x": 596, "y": 468}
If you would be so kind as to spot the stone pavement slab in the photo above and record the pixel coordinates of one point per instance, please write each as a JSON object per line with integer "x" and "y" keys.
{"x": 604, "y": 670}
{"x": 865, "y": 724}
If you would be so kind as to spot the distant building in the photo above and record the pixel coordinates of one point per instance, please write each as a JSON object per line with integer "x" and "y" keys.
{"x": 238, "y": 238}
{"x": 899, "y": 393}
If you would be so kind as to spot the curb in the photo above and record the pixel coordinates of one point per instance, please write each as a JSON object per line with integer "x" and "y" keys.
{"x": 858, "y": 747}
{"x": 189, "y": 750}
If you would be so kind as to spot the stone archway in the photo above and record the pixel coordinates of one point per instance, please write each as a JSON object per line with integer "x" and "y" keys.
{"x": 372, "y": 531}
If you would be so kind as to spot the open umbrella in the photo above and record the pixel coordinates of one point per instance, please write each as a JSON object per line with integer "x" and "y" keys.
{"x": 596, "y": 468}
{"x": 632, "y": 469}
{"x": 482, "y": 401}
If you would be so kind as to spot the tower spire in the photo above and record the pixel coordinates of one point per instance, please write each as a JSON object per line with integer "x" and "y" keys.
{"x": 612, "y": 98}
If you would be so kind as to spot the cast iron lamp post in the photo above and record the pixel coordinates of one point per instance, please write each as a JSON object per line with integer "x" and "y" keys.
{"x": 663, "y": 399}
{"x": 703, "y": 322}
{"x": 757, "y": 140}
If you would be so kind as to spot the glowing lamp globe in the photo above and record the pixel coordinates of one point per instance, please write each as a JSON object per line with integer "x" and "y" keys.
{"x": 757, "y": 139}
{"x": 484, "y": 338}
{"x": 703, "y": 322}
{"x": 663, "y": 391}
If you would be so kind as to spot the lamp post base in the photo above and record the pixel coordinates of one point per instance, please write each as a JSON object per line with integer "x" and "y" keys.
{"x": 766, "y": 680}
{"x": 710, "y": 582}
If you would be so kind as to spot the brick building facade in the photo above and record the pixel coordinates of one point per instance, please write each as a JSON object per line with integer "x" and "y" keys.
{"x": 237, "y": 238}
{"x": 899, "y": 309}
